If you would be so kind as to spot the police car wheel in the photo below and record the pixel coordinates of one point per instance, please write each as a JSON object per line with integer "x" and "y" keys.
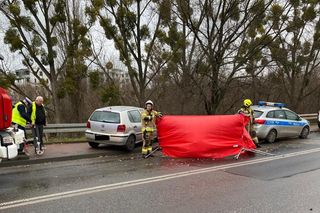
{"x": 305, "y": 132}
{"x": 272, "y": 136}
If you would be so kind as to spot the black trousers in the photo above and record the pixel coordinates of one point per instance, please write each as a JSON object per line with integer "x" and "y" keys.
{"x": 37, "y": 133}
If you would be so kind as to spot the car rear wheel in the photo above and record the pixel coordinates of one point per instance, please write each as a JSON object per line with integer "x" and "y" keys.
{"x": 131, "y": 142}
{"x": 272, "y": 136}
{"x": 305, "y": 132}
{"x": 93, "y": 145}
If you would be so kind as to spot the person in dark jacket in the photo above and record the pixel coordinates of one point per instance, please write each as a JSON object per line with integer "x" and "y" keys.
{"x": 38, "y": 120}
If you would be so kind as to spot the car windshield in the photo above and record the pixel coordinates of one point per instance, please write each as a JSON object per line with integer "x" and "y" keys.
{"x": 106, "y": 117}
{"x": 257, "y": 114}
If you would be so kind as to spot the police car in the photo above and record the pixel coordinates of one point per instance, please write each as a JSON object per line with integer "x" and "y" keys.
{"x": 273, "y": 121}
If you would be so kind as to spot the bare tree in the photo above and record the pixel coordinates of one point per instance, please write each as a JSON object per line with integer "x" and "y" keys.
{"x": 133, "y": 26}
{"x": 229, "y": 34}
{"x": 296, "y": 49}
{"x": 33, "y": 32}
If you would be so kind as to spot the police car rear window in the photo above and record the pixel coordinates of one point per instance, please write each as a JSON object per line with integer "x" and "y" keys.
{"x": 270, "y": 114}
{"x": 257, "y": 114}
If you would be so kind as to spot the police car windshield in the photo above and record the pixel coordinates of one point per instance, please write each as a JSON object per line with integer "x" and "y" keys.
{"x": 257, "y": 113}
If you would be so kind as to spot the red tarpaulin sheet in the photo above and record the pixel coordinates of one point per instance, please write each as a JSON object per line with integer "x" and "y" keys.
{"x": 215, "y": 136}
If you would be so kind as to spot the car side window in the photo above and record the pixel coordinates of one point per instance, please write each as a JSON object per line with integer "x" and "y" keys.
{"x": 291, "y": 116}
{"x": 270, "y": 114}
{"x": 130, "y": 117}
{"x": 279, "y": 114}
{"x": 134, "y": 116}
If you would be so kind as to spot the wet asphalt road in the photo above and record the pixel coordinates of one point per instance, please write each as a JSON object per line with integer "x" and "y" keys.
{"x": 127, "y": 183}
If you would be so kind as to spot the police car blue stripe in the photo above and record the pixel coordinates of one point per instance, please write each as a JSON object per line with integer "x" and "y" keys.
{"x": 284, "y": 123}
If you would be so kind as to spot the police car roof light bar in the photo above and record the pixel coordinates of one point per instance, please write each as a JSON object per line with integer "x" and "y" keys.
{"x": 264, "y": 103}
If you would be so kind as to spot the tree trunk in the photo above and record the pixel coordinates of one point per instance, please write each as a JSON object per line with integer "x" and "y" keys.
{"x": 141, "y": 96}
{"x": 56, "y": 102}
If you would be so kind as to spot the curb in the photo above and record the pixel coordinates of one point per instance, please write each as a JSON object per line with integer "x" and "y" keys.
{"x": 30, "y": 141}
{"x": 16, "y": 162}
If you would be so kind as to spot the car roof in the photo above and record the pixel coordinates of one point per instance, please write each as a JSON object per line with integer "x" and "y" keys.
{"x": 268, "y": 108}
{"x": 119, "y": 108}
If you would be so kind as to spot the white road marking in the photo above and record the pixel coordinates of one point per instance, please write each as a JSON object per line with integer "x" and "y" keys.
{"x": 85, "y": 191}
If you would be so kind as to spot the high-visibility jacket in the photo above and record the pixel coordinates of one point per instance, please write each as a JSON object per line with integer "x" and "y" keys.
{"x": 37, "y": 114}
{"x": 34, "y": 115}
{"x": 33, "y": 112}
{"x": 148, "y": 120}
{"x": 16, "y": 117}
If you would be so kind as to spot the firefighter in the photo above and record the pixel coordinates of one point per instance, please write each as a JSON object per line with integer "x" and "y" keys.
{"x": 247, "y": 111}
{"x": 148, "y": 120}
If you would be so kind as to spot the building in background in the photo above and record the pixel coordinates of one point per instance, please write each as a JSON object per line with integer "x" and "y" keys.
{"x": 26, "y": 77}
{"x": 118, "y": 75}
{"x": 122, "y": 76}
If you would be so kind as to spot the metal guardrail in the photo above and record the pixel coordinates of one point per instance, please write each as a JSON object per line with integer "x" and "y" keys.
{"x": 81, "y": 127}
{"x": 313, "y": 116}
{"x": 63, "y": 128}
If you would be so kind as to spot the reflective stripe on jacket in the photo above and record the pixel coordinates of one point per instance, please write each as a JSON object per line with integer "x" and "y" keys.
{"x": 33, "y": 112}
{"x": 147, "y": 124}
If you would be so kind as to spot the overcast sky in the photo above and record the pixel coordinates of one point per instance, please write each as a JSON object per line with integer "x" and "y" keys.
{"x": 10, "y": 59}
{"x": 109, "y": 53}
{"x": 13, "y": 61}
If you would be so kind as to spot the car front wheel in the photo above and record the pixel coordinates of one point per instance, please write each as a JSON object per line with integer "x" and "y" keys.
{"x": 305, "y": 132}
{"x": 93, "y": 145}
{"x": 272, "y": 136}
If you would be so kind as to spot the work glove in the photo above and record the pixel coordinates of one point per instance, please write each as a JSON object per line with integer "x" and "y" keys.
{"x": 240, "y": 112}
{"x": 148, "y": 118}
{"x": 160, "y": 114}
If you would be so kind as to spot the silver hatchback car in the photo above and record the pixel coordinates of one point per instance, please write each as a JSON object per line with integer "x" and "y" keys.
{"x": 273, "y": 121}
{"x": 115, "y": 125}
